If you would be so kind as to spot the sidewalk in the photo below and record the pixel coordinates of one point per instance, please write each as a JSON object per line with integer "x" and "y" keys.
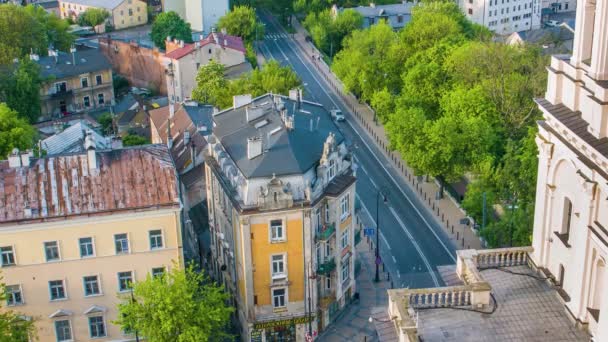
{"x": 446, "y": 211}
{"x": 354, "y": 325}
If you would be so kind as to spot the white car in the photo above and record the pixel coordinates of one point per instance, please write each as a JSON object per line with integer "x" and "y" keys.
{"x": 552, "y": 23}
{"x": 337, "y": 115}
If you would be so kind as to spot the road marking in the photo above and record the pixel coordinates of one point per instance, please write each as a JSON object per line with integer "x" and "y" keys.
{"x": 398, "y": 274}
{"x": 370, "y": 178}
{"x": 282, "y": 52}
{"x": 373, "y": 154}
{"x": 409, "y": 235}
{"x": 394, "y": 260}
{"x": 374, "y": 221}
{"x": 386, "y": 243}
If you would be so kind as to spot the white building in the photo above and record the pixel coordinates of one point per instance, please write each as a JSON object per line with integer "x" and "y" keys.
{"x": 558, "y": 6}
{"x": 503, "y": 16}
{"x": 201, "y": 14}
{"x": 571, "y": 220}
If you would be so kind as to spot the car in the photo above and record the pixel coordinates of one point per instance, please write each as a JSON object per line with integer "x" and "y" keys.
{"x": 552, "y": 23}
{"x": 337, "y": 115}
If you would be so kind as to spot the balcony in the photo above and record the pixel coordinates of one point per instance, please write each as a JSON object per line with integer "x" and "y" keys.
{"x": 327, "y": 267}
{"x": 60, "y": 93}
{"x": 326, "y": 232}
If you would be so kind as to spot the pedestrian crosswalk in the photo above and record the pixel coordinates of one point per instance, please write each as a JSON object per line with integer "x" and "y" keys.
{"x": 276, "y": 36}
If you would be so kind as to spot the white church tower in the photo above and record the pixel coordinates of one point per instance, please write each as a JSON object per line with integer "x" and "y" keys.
{"x": 570, "y": 237}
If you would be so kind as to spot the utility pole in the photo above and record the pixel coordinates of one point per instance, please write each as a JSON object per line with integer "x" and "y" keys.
{"x": 483, "y": 220}
{"x": 377, "y": 262}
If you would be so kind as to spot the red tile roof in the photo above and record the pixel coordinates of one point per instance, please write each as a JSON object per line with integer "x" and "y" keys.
{"x": 223, "y": 40}
{"x": 63, "y": 186}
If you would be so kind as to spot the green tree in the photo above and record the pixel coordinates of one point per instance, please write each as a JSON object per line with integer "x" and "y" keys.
{"x": 383, "y": 104}
{"x": 212, "y": 86}
{"x": 169, "y": 24}
{"x": 241, "y": 22}
{"x": 20, "y": 89}
{"x": 20, "y": 33}
{"x": 272, "y": 77}
{"x": 57, "y": 29}
{"x": 107, "y": 123}
{"x": 180, "y": 306}
{"x": 13, "y": 327}
{"x": 15, "y": 132}
{"x": 93, "y": 17}
{"x": 134, "y": 140}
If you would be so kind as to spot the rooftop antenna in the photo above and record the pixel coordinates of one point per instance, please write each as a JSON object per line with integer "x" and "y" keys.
{"x": 73, "y": 52}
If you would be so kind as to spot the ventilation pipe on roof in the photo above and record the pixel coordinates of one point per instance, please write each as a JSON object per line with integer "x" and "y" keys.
{"x": 169, "y": 136}
{"x": 254, "y": 147}
{"x": 26, "y": 157}
{"x": 171, "y": 110}
{"x": 73, "y": 52}
{"x": 90, "y": 146}
{"x": 224, "y": 31}
{"x": 14, "y": 159}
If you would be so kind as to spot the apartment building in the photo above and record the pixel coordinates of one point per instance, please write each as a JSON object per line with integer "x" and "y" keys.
{"x": 123, "y": 13}
{"x": 77, "y": 229}
{"x": 281, "y": 192}
{"x": 201, "y": 14}
{"x": 75, "y": 82}
{"x": 395, "y": 15}
{"x": 503, "y": 17}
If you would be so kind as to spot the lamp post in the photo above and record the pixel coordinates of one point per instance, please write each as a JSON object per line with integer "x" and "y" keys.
{"x": 385, "y": 200}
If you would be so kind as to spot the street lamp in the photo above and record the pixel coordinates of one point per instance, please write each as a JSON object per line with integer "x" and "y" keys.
{"x": 378, "y": 260}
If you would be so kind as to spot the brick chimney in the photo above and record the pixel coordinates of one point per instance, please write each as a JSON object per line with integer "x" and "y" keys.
{"x": 90, "y": 146}
{"x": 14, "y": 159}
{"x": 171, "y": 44}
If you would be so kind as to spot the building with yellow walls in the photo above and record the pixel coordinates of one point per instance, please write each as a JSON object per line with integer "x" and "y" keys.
{"x": 281, "y": 191}
{"x": 123, "y": 13}
{"x": 76, "y": 229}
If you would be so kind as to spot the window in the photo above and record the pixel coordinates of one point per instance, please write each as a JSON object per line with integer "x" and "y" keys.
{"x": 209, "y": 51}
{"x": 56, "y": 289}
{"x": 276, "y": 230}
{"x": 61, "y": 87}
{"x": 121, "y": 241}
{"x": 86, "y": 247}
{"x": 158, "y": 272}
{"x": 327, "y": 212}
{"x": 278, "y": 266}
{"x": 371, "y": 21}
{"x": 87, "y": 101}
{"x": 91, "y": 286}
{"x": 63, "y": 330}
{"x": 84, "y": 82}
{"x": 345, "y": 271}
{"x": 97, "y": 327}
{"x": 328, "y": 283}
{"x": 125, "y": 279}
{"x": 344, "y": 239}
{"x": 331, "y": 172}
{"x": 130, "y": 12}
{"x": 8, "y": 256}
{"x": 156, "y": 239}
{"x": 317, "y": 215}
{"x": 400, "y": 19}
{"x": 470, "y": 11}
{"x": 100, "y": 99}
{"x": 344, "y": 206}
{"x": 13, "y": 295}
{"x": 278, "y": 298}
{"x": 98, "y": 79}
{"x": 51, "y": 251}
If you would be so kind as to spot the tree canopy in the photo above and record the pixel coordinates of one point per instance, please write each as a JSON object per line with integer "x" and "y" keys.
{"x": 241, "y": 21}
{"x": 180, "y": 306}
{"x": 93, "y": 17}
{"x": 134, "y": 140}
{"x": 13, "y": 328}
{"x": 169, "y": 24}
{"x": 20, "y": 88}
{"x": 328, "y": 32}
{"x": 15, "y": 132}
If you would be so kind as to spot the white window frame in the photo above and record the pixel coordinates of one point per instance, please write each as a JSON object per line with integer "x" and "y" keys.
{"x": 344, "y": 207}
{"x": 164, "y": 268}
{"x": 162, "y": 239}
{"x": 65, "y": 290}
{"x": 84, "y": 102}
{"x": 327, "y": 213}
{"x": 344, "y": 239}
{"x": 118, "y": 280}
{"x": 128, "y": 244}
{"x": 331, "y": 170}
{"x": 46, "y": 258}
{"x": 278, "y": 275}
{"x": 92, "y": 246}
{"x": 22, "y": 302}
{"x": 84, "y": 285}
{"x": 13, "y": 252}
{"x": 71, "y": 330}
{"x": 347, "y": 269}
{"x": 105, "y": 326}
{"x": 271, "y": 229}
{"x": 285, "y": 297}
{"x": 317, "y": 215}
{"x": 103, "y": 98}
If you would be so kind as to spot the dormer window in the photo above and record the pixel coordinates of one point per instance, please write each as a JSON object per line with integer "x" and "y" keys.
{"x": 331, "y": 171}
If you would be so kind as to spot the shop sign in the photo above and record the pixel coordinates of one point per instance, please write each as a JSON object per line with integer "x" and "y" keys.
{"x": 283, "y": 322}
{"x": 256, "y": 336}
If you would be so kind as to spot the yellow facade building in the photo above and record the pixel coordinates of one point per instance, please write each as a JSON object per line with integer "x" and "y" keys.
{"x": 281, "y": 190}
{"x": 123, "y": 13}
{"x": 77, "y": 229}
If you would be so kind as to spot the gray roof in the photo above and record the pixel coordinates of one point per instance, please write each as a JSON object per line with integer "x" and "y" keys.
{"x": 107, "y": 4}
{"x": 86, "y": 61}
{"x": 384, "y": 10}
{"x": 287, "y": 151}
{"x": 72, "y": 140}
{"x": 548, "y": 34}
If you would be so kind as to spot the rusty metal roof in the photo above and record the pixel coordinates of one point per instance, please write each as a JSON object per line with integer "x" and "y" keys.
{"x": 63, "y": 186}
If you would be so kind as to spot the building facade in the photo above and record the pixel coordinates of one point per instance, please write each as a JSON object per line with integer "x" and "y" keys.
{"x": 77, "y": 229}
{"x": 571, "y": 220}
{"x": 281, "y": 192}
{"x": 503, "y": 17}
{"x": 201, "y": 14}
{"x": 558, "y": 6}
{"x": 395, "y": 15}
{"x": 77, "y": 82}
{"x": 123, "y": 13}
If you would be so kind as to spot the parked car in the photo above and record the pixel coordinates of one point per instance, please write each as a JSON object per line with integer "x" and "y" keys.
{"x": 337, "y": 115}
{"x": 552, "y": 23}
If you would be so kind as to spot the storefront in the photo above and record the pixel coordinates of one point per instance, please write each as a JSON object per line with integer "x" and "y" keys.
{"x": 284, "y": 330}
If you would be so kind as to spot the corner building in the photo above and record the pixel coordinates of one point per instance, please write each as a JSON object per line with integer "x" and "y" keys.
{"x": 281, "y": 190}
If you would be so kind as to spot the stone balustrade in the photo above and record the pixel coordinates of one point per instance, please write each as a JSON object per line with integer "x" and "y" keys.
{"x": 438, "y": 297}
{"x": 502, "y": 257}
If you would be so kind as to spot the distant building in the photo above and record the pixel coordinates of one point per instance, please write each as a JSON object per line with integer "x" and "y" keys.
{"x": 552, "y": 40}
{"x": 77, "y": 228}
{"x": 281, "y": 194}
{"x": 50, "y": 6}
{"x": 396, "y": 15}
{"x": 80, "y": 81}
{"x": 71, "y": 140}
{"x": 503, "y": 17}
{"x": 186, "y": 59}
{"x": 123, "y": 13}
{"x": 558, "y": 6}
{"x": 202, "y": 15}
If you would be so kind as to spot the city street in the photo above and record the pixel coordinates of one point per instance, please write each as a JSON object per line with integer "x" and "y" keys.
{"x": 413, "y": 244}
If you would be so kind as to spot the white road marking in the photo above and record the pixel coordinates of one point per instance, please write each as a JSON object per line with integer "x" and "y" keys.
{"x": 370, "y": 178}
{"x": 282, "y": 52}
{"x": 394, "y": 260}
{"x": 398, "y": 274}
{"x": 376, "y": 157}
{"x": 374, "y": 221}
{"x": 409, "y": 235}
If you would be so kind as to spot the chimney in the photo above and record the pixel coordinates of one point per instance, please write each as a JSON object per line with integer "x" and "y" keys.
{"x": 181, "y": 43}
{"x": 372, "y": 5}
{"x": 254, "y": 147}
{"x": 169, "y": 136}
{"x": 193, "y": 154}
{"x": 171, "y": 110}
{"x": 34, "y": 57}
{"x": 14, "y": 159}
{"x": 25, "y": 158}
{"x": 224, "y": 32}
{"x": 293, "y": 94}
{"x": 89, "y": 146}
{"x": 73, "y": 52}
{"x": 241, "y": 100}
{"x": 27, "y": 210}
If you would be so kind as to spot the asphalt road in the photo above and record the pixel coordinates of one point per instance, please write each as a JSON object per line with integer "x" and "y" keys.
{"x": 412, "y": 242}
